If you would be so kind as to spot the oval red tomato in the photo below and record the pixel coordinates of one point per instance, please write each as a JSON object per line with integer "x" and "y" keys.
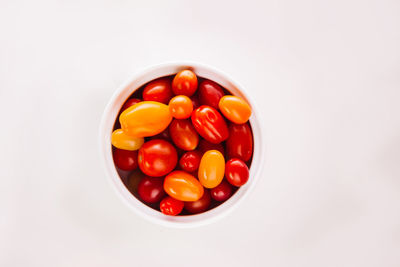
{"x": 130, "y": 102}
{"x": 150, "y": 189}
{"x": 240, "y": 142}
{"x": 190, "y": 161}
{"x": 171, "y": 206}
{"x": 195, "y": 101}
{"x": 125, "y": 160}
{"x": 210, "y": 93}
{"x": 183, "y": 134}
{"x": 222, "y": 192}
{"x": 236, "y": 172}
{"x": 210, "y": 124}
{"x": 204, "y": 146}
{"x": 157, "y": 158}
{"x": 200, "y": 205}
{"x": 158, "y": 90}
{"x": 184, "y": 83}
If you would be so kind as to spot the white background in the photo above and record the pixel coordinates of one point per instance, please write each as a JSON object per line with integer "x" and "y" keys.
{"x": 325, "y": 75}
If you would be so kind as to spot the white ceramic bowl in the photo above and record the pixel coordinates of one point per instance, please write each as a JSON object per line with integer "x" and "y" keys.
{"x": 110, "y": 116}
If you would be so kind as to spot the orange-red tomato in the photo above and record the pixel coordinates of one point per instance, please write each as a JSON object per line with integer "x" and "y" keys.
{"x": 210, "y": 124}
{"x": 158, "y": 90}
{"x": 121, "y": 140}
{"x": 183, "y": 186}
{"x": 183, "y": 134}
{"x": 211, "y": 169}
{"x": 184, "y": 83}
{"x": 235, "y": 109}
{"x": 146, "y": 118}
{"x": 171, "y": 206}
{"x": 181, "y": 107}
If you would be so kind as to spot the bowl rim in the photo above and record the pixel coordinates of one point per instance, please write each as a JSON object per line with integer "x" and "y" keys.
{"x": 111, "y": 112}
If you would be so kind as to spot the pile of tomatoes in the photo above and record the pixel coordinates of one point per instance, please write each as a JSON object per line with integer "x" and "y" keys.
{"x": 186, "y": 142}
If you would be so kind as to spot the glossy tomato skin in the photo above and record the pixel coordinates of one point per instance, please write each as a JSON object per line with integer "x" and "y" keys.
{"x": 210, "y": 93}
{"x": 211, "y": 169}
{"x": 158, "y": 90}
{"x": 183, "y": 186}
{"x": 150, "y": 189}
{"x": 130, "y": 102}
{"x": 171, "y": 206}
{"x": 222, "y": 192}
{"x": 183, "y": 134}
{"x": 236, "y": 172}
{"x": 181, "y": 107}
{"x": 121, "y": 140}
{"x": 235, "y": 109}
{"x": 157, "y": 158}
{"x": 184, "y": 83}
{"x": 240, "y": 142}
{"x": 125, "y": 160}
{"x": 204, "y": 146}
{"x": 190, "y": 161}
{"x": 200, "y": 205}
{"x": 210, "y": 124}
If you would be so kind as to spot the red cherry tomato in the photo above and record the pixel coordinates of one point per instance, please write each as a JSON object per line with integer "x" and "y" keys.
{"x": 210, "y": 93}
{"x": 171, "y": 206}
{"x": 184, "y": 83}
{"x": 190, "y": 161}
{"x": 130, "y": 102}
{"x": 125, "y": 160}
{"x": 210, "y": 124}
{"x": 222, "y": 192}
{"x": 236, "y": 172}
{"x": 183, "y": 134}
{"x": 195, "y": 101}
{"x": 163, "y": 135}
{"x": 157, "y": 158}
{"x": 200, "y": 205}
{"x": 158, "y": 90}
{"x": 240, "y": 142}
{"x": 204, "y": 146}
{"x": 150, "y": 189}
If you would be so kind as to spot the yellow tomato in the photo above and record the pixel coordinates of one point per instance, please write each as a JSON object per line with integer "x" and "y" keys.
{"x": 211, "y": 169}
{"x": 121, "y": 140}
{"x": 183, "y": 186}
{"x": 146, "y": 118}
{"x": 235, "y": 109}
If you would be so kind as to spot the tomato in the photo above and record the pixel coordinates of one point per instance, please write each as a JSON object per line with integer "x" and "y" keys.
{"x": 200, "y": 205}
{"x": 125, "y": 160}
{"x": 211, "y": 169}
{"x": 171, "y": 206}
{"x": 183, "y": 186}
{"x": 210, "y": 93}
{"x": 236, "y": 172}
{"x": 184, "y": 83}
{"x": 146, "y": 118}
{"x": 157, "y": 157}
{"x": 132, "y": 182}
{"x": 204, "y": 146}
{"x": 210, "y": 124}
{"x": 150, "y": 189}
{"x": 235, "y": 109}
{"x": 121, "y": 140}
{"x": 130, "y": 102}
{"x": 183, "y": 134}
{"x": 181, "y": 107}
{"x": 240, "y": 142}
{"x": 222, "y": 192}
{"x": 195, "y": 102}
{"x": 163, "y": 135}
{"x": 158, "y": 90}
{"x": 190, "y": 161}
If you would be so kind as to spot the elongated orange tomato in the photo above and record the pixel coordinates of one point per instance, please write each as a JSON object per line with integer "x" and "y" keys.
{"x": 211, "y": 169}
{"x": 121, "y": 140}
{"x": 183, "y": 186}
{"x": 235, "y": 109}
{"x": 146, "y": 118}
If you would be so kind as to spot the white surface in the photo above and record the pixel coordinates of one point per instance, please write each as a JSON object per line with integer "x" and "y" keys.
{"x": 326, "y": 74}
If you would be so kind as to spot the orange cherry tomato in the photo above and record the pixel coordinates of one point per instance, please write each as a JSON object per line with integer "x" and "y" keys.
{"x": 184, "y": 83}
{"x": 121, "y": 140}
{"x": 211, "y": 169}
{"x": 181, "y": 107}
{"x": 145, "y": 118}
{"x": 235, "y": 109}
{"x": 183, "y": 186}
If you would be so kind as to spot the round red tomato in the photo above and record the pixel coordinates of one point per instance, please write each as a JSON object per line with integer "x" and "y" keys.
{"x": 158, "y": 90}
{"x": 240, "y": 142}
{"x": 171, "y": 206}
{"x": 157, "y": 158}
{"x": 236, "y": 172}
{"x": 190, "y": 161}
{"x": 210, "y": 93}
{"x": 183, "y": 134}
{"x": 150, "y": 189}
{"x": 184, "y": 83}
{"x": 210, "y": 124}
{"x": 204, "y": 146}
{"x": 130, "y": 102}
{"x": 222, "y": 191}
{"x": 125, "y": 160}
{"x": 200, "y": 205}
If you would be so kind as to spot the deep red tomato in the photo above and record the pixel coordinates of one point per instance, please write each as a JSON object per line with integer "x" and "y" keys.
{"x": 190, "y": 161}
{"x": 163, "y": 135}
{"x": 240, "y": 142}
{"x": 184, "y": 83}
{"x": 183, "y": 134}
{"x": 125, "y": 160}
{"x": 158, "y": 90}
{"x": 171, "y": 206}
{"x": 195, "y": 101}
{"x": 130, "y": 102}
{"x": 157, "y": 157}
{"x": 200, "y": 205}
{"x": 133, "y": 180}
{"x": 204, "y": 146}
{"x": 210, "y": 124}
{"x": 151, "y": 189}
{"x": 222, "y": 192}
{"x": 210, "y": 93}
{"x": 236, "y": 172}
